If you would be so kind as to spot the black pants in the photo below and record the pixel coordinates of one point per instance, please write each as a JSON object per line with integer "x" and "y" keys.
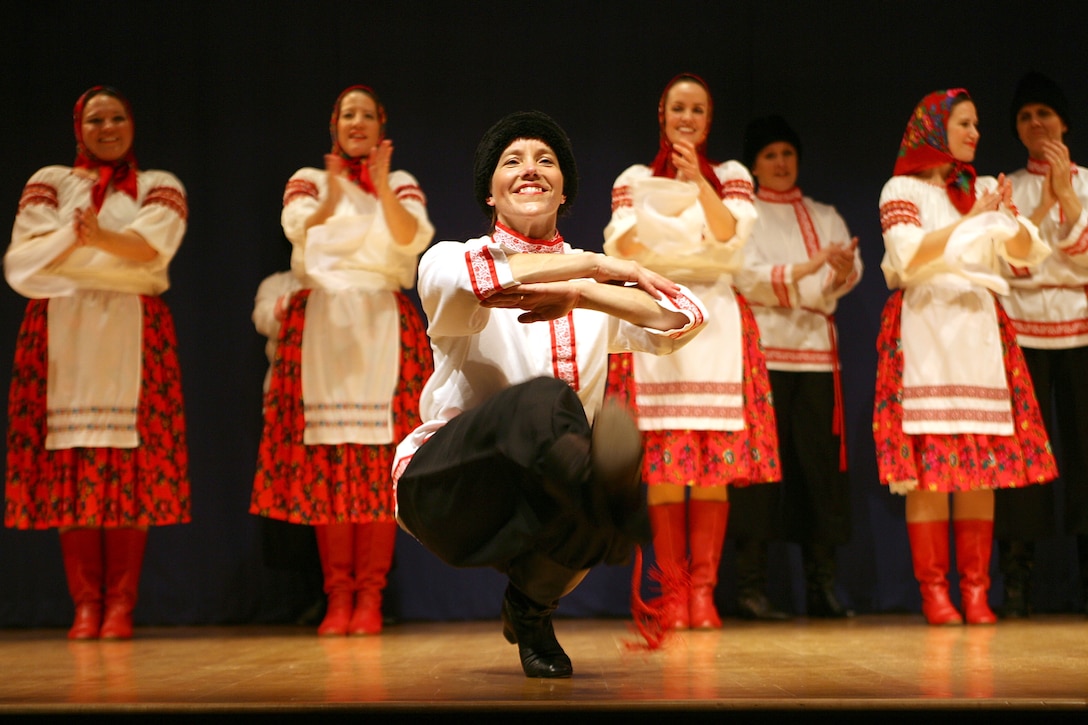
{"x": 476, "y": 493}
{"x": 1060, "y": 378}
{"x": 812, "y": 503}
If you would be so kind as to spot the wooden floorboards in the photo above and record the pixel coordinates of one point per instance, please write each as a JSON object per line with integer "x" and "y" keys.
{"x": 894, "y": 665}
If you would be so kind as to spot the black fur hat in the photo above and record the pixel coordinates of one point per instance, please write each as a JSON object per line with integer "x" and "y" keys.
{"x": 523, "y": 124}
{"x": 1035, "y": 87}
{"x": 762, "y": 132}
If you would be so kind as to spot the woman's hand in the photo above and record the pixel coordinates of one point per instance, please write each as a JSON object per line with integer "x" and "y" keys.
{"x": 686, "y": 160}
{"x": 541, "y": 301}
{"x": 334, "y": 167}
{"x": 378, "y": 164}
{"x": 614, "y": 270}
{"x": 88, "y": 232}
{"x": 841, "y": 259}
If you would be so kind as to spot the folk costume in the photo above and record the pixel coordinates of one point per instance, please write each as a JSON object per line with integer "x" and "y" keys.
{"x": 351, "y": 360}
{"x": 954, "y": 408}
{"x": 706, "y": 413}
{"x": 796, "y": 321}
{"x": 1048, "y": 307}
{"x": 96, "y": 427}
{"x": 506, "y": 470}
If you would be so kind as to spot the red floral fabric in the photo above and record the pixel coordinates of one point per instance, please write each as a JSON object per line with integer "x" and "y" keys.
{"x": 960, "y": 462}
{"x": 98, "y": 487}
{"x": 327, "y": 484}
{"x": 706, "y": 458}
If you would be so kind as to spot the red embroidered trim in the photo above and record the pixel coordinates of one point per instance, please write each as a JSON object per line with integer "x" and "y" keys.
{"x": 44, "y": 194}
{"x": 299, "y": 187}
{"x": 621, "y": 197}
{"x": 899, "y": 212}
{"x": 954, "y": 391}
{"x": 685, "y": 388}
{"x": 169, "y": 197}
{"x": 564, "y": 349}
{"x": 1069, "y": 328}
{"x": 786, "y": 355}
{"x": 738, "y": 189}
{"x": 412, "y": 192}
{"x": 481, "y": 272}
{"x": 778, "y": 284}
{"x": 509, "y": 238}
{"x": 983, "y": 416}
{"x": 689, "y": 411}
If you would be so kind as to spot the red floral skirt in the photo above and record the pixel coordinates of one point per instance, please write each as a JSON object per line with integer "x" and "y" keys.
{"x": 707, "y": 458}
{"x": 326, "y": 484}
{"x": 98, "y": 487}
{"x": 963, "y": 461}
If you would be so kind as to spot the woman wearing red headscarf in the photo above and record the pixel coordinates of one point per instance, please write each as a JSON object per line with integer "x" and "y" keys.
{"x": 705, "y": 410}
{"x": 955, "y": 415}
{"x": 96, "y": 432}
{"x": 351, "y": 360}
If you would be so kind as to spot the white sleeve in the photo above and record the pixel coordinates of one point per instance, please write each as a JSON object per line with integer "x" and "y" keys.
{"x": 38, "y": 236}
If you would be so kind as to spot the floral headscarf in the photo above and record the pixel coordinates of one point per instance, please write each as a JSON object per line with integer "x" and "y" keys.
{"x": 120, "y": 173}
{"x": 357, "y": 168}
{"x": 662, "y": 164}
{"x": 925, "y": 145}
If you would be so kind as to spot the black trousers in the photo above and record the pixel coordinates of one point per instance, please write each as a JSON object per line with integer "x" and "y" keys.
{"x": 482, "y": 490}
{"x": 1060, "y": 378}
{"x": 811, "y": 506}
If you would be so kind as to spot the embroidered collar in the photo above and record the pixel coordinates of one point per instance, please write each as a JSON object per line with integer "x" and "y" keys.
{"x": 509, "y": 238}
{"x": 791, "y": 196}
{"x": 1040, "y": 167}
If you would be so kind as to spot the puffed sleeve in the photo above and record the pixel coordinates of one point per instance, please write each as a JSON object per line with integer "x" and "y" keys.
{"x": 411, "y": 197}
{"x": 738, "y": 196}
{"x": 301, "y": 197}
{"x": 901, "y": 225}
{"x": 623, "y": 212}
{"x": 38, "y": 236}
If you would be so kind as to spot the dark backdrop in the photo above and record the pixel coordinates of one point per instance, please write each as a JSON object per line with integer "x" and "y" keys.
{"x": 234, "y": 97}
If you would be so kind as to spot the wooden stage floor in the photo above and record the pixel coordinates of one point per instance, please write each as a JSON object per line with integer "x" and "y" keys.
{"x": 891, "y": 665}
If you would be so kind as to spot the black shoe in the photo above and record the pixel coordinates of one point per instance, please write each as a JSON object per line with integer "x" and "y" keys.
{"x": 529, "y": 626}
{"x": 755, "y": 605}
{"x": 822, "y": 602}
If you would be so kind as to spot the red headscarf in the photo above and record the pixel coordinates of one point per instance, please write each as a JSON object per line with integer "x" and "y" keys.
{"x": 925, "y": 145}
{"x": 662, "y": 164}
{"x": 357, "y": 168}
{"x": 122, "y": 172}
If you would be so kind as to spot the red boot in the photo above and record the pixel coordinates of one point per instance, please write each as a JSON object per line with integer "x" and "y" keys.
{"x": 706, "y": 534}
{"x": 82, "y": 553}
{"x": 336, "y": 547}
{"x": 124, "y": 560}
{"x": 929, "y": 551}
{"x": 374, "y": 543}
{"x": 669, "y": 524}
{"x": 974, "y": 544}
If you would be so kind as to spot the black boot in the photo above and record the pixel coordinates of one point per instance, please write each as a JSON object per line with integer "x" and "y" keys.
{"x": 752, "y": 601}
{"x": 527, "y": 622}
{"x": 820, "y": 597}
{"x": 1016, "y": 559}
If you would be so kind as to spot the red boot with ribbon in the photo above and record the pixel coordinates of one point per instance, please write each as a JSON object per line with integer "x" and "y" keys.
{"x": 669, "y": 524}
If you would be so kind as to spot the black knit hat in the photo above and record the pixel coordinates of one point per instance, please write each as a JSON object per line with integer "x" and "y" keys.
{"x": 762, "y": 132}
{"x": 530, "y": 125}
{"x": 1035, "y": 87}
